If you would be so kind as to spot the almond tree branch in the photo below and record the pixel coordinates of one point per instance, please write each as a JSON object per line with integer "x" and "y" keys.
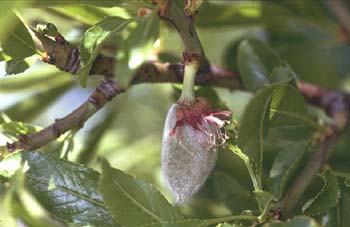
{"x": 341, "y": 12}
{"x": 66, "y": 58}
{"x": 337, "y": 105}
{"x": 313, "y": 166}
{"x": 184, "y": 26}
{"x": 75, "y": 120}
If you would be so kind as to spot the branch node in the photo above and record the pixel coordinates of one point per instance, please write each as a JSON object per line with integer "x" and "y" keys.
{"x": 49, "y": 57}
{"x": 11, "y": 147}
{"x": 94, "y": 100}
{"x": 73, "y": 61}
{"x": 108, "y": 88}
{"x": 57, "y": 133}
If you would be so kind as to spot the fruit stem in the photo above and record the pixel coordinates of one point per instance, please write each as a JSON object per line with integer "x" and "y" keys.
{"x": 187, "y": 95}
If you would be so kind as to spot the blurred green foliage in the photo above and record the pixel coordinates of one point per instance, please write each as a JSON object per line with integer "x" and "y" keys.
{"x": 272, "y": 44}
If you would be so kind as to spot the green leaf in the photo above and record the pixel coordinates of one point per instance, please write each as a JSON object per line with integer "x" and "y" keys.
{"x": 132, "y": 201}
{"x": 7, "y": 16}
{"x": 180, "y": 223}
{"x": 87, "y": 14}
{"x": 10, "y": 165}
{"x": 67, "y": 190}
{"x": 13, "y": 129}
{"x": 260, "y": 66}
{"x": 4, "y": 56}
{"x": 339, "y": 216}
{"x": 93, "y": 40}
{"x": 15, "y": 66}
{"x": 16, "y": 40}
{"x": 24, "y": 206}
{"x": 229, "y": 225}
{"x": 299, "y": 221}
{"x": 325, "y": 199}
{"x": 45, "y": 3}
{"x": 236, "y": 197}
{"x": 265, "y": 200}
{"x": 286, "y": 162}
{"x": 136, "y": 48}
{"x": 311, "y": 50}
{"x": 287, "y": 107}
{"x": 253, "y": 127}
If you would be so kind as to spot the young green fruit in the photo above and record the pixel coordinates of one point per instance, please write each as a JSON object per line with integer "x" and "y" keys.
{"x": 189, "y": 150}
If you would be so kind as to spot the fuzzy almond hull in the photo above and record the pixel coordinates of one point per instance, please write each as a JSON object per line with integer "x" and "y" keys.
{"x": 188, "y": 157}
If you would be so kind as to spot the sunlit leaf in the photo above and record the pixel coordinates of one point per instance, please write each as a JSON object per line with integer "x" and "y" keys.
{"x": 24, "y": 206}
{"x": 229, "y": 225}
{"x": 93, "y": 40}
{"x": 4, "y": 57}
{"x": 87, "y": 14}
{"x": 137, "y": 48}
{"x": 15, "y": 39}
{"x": 67, "y": 190}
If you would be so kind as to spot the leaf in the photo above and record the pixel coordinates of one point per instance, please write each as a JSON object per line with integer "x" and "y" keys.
{"x": 236, "y": 197}
{"x": 7, "y": 16}
{"x": 284, "y": 165}
{"x": 326, "y": 198}
{"x": 253, "y": 127}
{"x": 339, "y": 216}
{"x": 87, "y": 14}
{"x": 45, "y": 3}
{"x": 288, "y": 107}
{"x": 10, "y": 165}
{"x": 15, "y": 66}
{"x": 264, "y": 199}
{"x": 4, "y": 57}
{"x": 24, "y": 206}
{"x": 299, "y": 221}
{"x": 93, "y": 40}
{"x": 229, "y": 225}
{"x": 311, "y": 50}
{"x": 180, "y": 223}
{"x": 67, "y": 190}
{"x": 260, "y": 66}
{"x": 132, "y": 201}
{"x": 15, "y": 39}
{"x": 13, "y": 129}
{"x": 136, "y": 48}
